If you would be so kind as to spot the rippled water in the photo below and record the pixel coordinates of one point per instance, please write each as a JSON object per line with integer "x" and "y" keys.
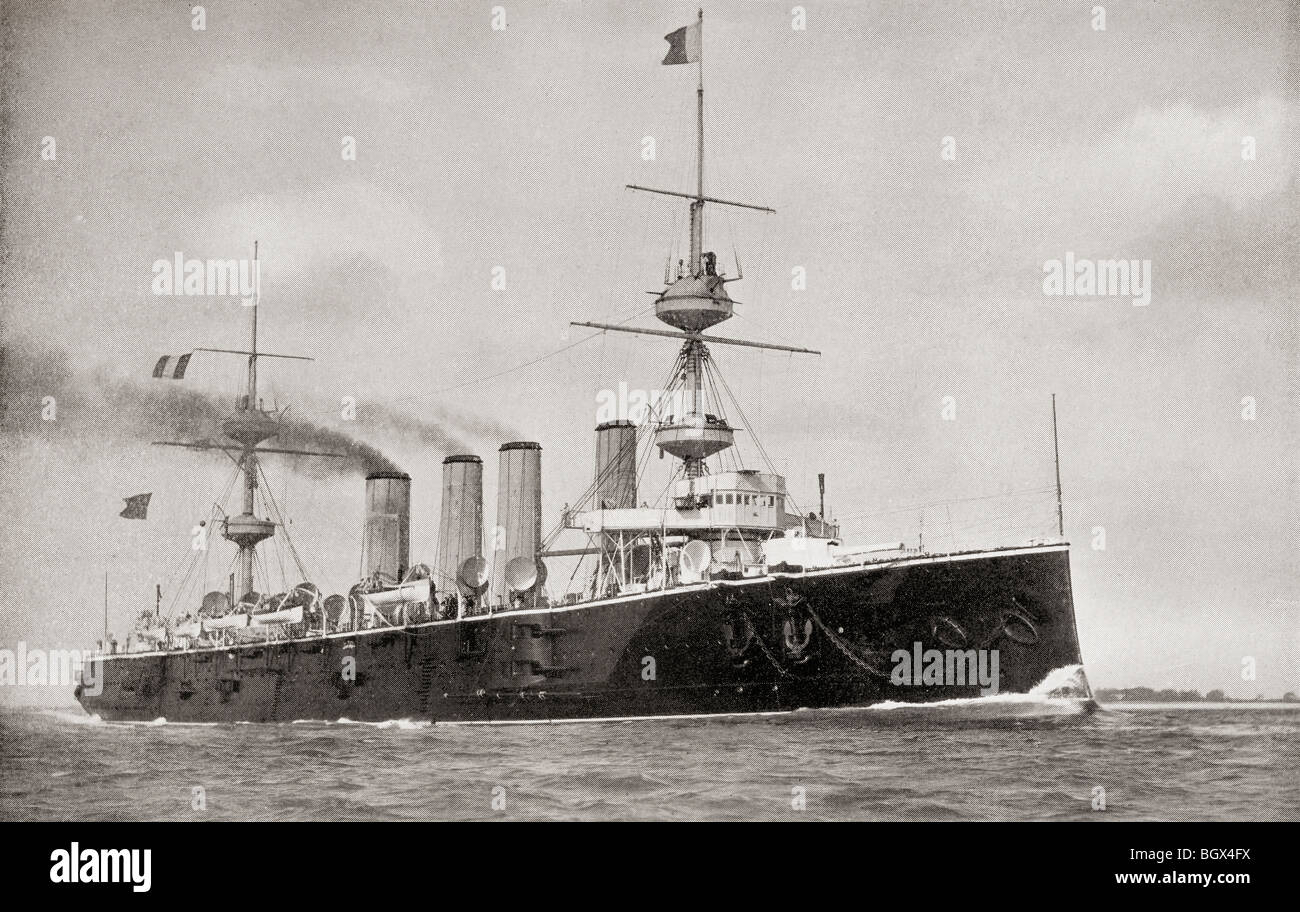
{"x": 997, "y": 758}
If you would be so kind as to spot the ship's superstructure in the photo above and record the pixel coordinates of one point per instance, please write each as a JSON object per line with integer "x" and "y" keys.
{"x": 721, "y": 596}
{"x": 714, "y": 520}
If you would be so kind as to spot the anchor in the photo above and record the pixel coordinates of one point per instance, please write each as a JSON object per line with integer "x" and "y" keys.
{"x": 794, "y": 645}
{"x": 738, "y": 643}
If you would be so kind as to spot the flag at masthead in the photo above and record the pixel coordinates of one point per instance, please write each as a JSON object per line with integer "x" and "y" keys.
{"x": 684, "y": 44}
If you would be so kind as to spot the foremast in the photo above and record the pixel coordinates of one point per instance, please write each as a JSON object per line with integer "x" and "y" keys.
{"x": 697, "y": 206}
{"x": 693, "y": 301}
{"x": 248, "y": 427}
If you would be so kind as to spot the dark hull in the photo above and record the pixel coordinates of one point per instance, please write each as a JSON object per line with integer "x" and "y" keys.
{"x": 818, "y": 640}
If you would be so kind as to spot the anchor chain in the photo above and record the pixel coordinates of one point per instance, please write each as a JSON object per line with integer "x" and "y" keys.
{"x": 758, "y": 638}
{"x": 841, "y": 646}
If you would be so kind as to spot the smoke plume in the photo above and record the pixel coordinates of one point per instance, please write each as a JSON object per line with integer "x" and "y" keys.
{"x": 43, "y": 395}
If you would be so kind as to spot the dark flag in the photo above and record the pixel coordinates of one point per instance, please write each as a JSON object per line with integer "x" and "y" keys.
{"x": 136, "y": 507}
{"x": 684, "y": 45}
{"x": 178, "y": 373}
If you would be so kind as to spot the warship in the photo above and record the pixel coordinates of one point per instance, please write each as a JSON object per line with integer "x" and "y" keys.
{"x": 721, "y": 598}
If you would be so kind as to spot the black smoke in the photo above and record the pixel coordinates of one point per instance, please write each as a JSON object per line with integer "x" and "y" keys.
{"x": 95, "y": 407}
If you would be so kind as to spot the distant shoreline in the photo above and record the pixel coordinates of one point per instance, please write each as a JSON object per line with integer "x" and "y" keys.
{"x": 1123, "y": 705}
{"x": 1149, "y": 695}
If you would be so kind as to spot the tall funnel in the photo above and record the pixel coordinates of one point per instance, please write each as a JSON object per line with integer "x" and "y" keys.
{"x": 615, "y": 465}
{"x": 519, "y": 512}
{"x": 460, "y": 530}
{"x": 386, "y": 545}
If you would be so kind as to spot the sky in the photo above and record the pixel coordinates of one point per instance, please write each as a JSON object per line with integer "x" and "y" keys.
{"x": 488, "y": 153}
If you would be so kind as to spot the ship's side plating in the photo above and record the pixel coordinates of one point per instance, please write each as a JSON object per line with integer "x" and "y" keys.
{"x": 821, "y": 639}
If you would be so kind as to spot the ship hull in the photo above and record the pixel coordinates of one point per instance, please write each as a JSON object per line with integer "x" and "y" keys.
{"x": 817, "y": 639}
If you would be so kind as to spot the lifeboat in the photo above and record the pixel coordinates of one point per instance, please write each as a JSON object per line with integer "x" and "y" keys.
{"x": 280, "y": 616}
{"x": 401, "y": 594}
{"x": 227, "y": 622}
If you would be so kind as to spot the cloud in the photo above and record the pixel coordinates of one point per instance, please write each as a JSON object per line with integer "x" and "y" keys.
{"x": 1210, "y": 248}
{"x": 303, "y": 235}
{"x": 1130, "y": 179}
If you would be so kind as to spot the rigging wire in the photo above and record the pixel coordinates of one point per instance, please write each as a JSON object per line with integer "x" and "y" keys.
{"x": 942, "y": 503}
{"x": 279, "y": 516}
{"x": 191, "y": 561}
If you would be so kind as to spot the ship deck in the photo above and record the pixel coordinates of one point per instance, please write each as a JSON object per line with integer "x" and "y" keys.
{"x": 919, "y": 559}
